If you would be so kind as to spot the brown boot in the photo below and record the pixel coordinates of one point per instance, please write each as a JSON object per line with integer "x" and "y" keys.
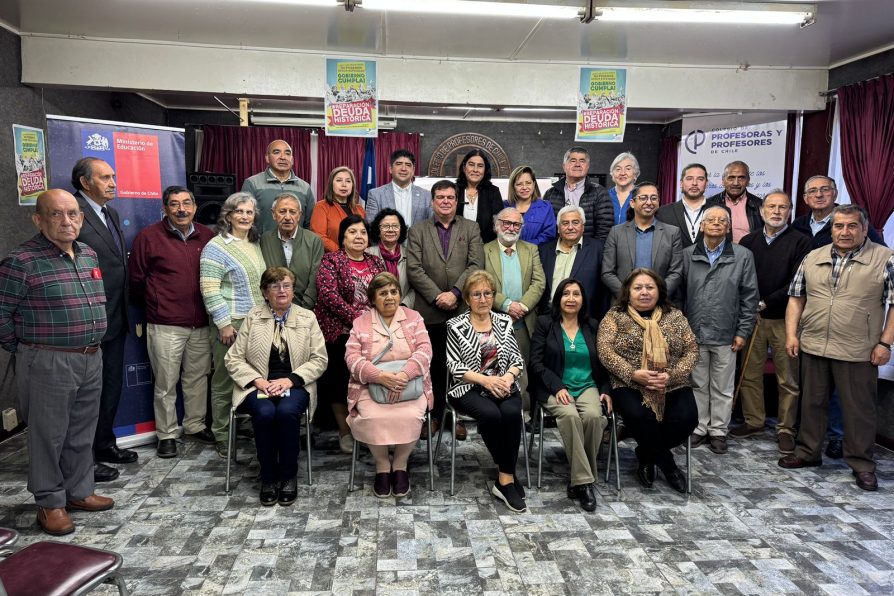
{"x": 54, "y": 521}
{"x": 92, "y": 503}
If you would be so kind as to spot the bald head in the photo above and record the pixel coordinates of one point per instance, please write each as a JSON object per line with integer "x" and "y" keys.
{"x": 58, "y": 217}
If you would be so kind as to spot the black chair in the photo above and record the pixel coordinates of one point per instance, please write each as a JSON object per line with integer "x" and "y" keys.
{"x": 237, "y": 413}
{"x": 52, "y": 568}
{"x": 539, "y": 413}
{"x": 431, "y": 466}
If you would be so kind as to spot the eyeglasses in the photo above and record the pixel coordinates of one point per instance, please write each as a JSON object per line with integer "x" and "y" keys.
{"x": 820, "y": 190}
{"x": 178, "y": 204}
{"x": 479, "y": 295}
{"x": 389, "y": 227}
{"x": 648, "y": 198}
{"x": 58, "y": 215}
{"x": 716, "y": 220}
{"x": 511, "y": 224}
{"x": 283, "y": 286}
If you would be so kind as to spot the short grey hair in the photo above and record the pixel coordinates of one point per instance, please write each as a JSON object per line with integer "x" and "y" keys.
{"x": 503, "y": 212}
{"x": 569, "y": 209}
{"x": 230, "y": 205}
{"x": 737, "y": 164}
{"x": 817, "y": 177}
{"x": 778, "y": 191}
{"x": 575, "y": 149}
{"x": 284, "y": 196}
{"x": 621, "y": 157}
{"x": 720, "y": 208}
{"x": 850, "y": 209}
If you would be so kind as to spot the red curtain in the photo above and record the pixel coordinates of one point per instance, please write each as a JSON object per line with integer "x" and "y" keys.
{"x": 339, "y": 151}
{"x": 241, "y": 150}
{"x": 389, "y": 142}
{"x": 867, "y": 145}
{"x": 816, "y": 138}
{"x": 667, "y": 169}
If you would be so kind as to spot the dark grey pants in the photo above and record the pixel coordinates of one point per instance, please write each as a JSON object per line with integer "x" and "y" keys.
{"x": 59, "y": 400}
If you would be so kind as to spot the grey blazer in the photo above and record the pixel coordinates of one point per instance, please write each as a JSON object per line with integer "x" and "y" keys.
{"x": 383, "y": 197}
{"x": 619, "y": 255}
{"x": 430, "y": 272}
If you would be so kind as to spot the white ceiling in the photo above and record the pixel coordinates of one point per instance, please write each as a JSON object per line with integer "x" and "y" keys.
{"x": 844, "y": 29}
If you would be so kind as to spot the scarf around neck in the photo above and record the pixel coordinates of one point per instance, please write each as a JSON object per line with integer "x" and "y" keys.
{"x": 654, "y": 356}
{"x": 391, "y": 259}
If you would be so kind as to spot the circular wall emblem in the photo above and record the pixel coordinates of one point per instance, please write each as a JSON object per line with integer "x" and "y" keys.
{"x": 447, "y": 156}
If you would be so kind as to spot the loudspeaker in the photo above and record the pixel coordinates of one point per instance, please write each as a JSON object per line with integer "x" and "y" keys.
{"x": 210, "y": 190}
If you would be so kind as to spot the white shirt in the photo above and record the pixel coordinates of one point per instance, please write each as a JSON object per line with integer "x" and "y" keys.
{"x": 287, "y": 245}
{"x": 693, "y": 218}
{"x": 403, "y": 201}
{"x": 470, "y": 211}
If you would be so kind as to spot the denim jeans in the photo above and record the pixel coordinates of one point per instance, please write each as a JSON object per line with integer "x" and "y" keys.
{"x": 276, "y": 423}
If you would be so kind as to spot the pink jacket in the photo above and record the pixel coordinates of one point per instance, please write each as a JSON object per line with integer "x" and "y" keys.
{"x": 358, "y": 354}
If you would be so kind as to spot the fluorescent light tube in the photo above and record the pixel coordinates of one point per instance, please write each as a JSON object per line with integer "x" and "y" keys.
{"x": 717, "y": 16}
{"x": 474, "y": 7}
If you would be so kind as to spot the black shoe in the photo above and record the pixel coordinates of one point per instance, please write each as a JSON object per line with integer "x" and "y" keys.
{"x": 834, "y": 449}
{"x": 519, "y": 487}
{"x": 676, "y": 480}
{"x": 203, "y": 436}
{"x": 586, "y": 494}
{"x": 268, "y": 494}
{"x": 114, "y": 455}
{"x": 288, "y": 492}
{"x": 717, "y": 444}
{"x": 509, "y": 496}
{"x": 166, "y": 448}
{"x": 223, "y": 450}
{"x": 104, "y": 473}
{"x": 645, "y": 473}
{"x": 698, "y": 440}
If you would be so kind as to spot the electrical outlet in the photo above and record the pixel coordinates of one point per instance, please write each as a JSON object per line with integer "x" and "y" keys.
{"x": 10, "y": 419}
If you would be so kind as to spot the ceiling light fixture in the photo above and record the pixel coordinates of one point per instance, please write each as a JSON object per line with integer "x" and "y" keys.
{"x": 719, "y": 13}
{"x": 469, "y": 108}
{"x": 308, "y": 121}
{"x": 537, "y": 109}
{"x": 472, "y": 8}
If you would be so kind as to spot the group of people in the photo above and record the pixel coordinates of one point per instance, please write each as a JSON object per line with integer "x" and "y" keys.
{"x": 582, "y": 302}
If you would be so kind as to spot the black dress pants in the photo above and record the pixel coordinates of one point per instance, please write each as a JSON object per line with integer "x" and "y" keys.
{"x": 499, "y": 424}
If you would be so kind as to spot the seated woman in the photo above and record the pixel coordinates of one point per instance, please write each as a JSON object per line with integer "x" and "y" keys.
{"x": 342, "y": 280}
{"x": 278, "y": 355}
{"x": 566, "y": 378}
{"x": 484, "y": 364}
{"x": 397, "y": 422}
{"x": 649, "y": 350}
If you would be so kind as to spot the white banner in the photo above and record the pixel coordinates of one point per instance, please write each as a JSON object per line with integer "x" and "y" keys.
{"x": 756, "y": 139}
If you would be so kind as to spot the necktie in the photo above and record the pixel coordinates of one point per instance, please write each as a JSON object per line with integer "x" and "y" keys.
{"x": 112, "y": 229}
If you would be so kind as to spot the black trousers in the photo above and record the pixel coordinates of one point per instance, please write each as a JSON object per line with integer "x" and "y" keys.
{"x": 333, "y": 384}
{"x": 112, "y": 380}
{"x": 437, "y": 333}
{"x": 655, "y": 439}
{"x": 499, "y": 424}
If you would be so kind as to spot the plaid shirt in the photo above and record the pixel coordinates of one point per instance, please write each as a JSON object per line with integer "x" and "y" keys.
{"x": 839, "y": 262}
{"x": 46, "y": 297}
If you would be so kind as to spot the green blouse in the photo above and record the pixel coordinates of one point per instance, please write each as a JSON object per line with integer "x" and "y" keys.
{"x": 578, "y": 374}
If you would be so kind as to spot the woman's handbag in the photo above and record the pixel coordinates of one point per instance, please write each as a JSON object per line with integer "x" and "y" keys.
{"x": 379, "y": 393}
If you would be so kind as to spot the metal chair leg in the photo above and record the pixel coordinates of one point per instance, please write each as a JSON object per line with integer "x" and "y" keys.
{"x": 353, "y": 463}
{"x": 525, "y": 446}
{"x": 307, "y": 449}
{"x": 689, "y": 464}
{"x": 229, "y": 449}
{"x": 452, "y": 446}
{"x": 440, "y": 432}
{"x": 540, "y": 424}
{"x": 614, "y": 447}
{"x": 431, "y": 462}
{"x": 610, "y": 454}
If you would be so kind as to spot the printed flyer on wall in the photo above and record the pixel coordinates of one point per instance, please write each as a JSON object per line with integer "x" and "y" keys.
{"x": 601, "y": 105}
{"x": 352, "y": 104}
{"x": 31, "y": 163}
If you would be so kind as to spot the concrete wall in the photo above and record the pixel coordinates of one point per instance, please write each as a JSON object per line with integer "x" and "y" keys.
{"x": 29, "y": 106}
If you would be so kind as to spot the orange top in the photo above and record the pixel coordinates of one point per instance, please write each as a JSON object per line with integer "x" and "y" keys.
{"x": 326, "y": 218}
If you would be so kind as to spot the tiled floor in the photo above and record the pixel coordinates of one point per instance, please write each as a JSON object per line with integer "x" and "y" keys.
{"x": 749, "y": 527}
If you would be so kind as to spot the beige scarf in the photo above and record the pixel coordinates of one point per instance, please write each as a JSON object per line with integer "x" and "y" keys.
{"x": 654, "y": 356}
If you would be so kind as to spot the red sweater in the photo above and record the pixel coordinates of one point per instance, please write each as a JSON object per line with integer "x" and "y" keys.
{"x": 164, "y": 275}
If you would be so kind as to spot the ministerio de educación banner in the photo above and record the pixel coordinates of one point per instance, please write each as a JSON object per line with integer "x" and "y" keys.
{"x": 352, "y": 104}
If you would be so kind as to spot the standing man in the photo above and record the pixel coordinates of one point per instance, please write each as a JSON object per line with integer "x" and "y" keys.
{"x": 720, "y": 301}
{"x": 292, "y": 246}
{"x": 52, "y": 320}
{"x": 744, "y": 207}
{"x": 820, "y": 194}
{"x": 515, "y": 265}
{"x": 571, "y": 255}
{"x": 279, "y": 178}
{"x": 94, "y": 180}
{"x": 843, "y": 300}
{"x": 441, "y": 253}
{"x": 164, "y": 278}
{"x": 409, "y": 200}
{"x": 778, "y": 250}
{"x": 574, "y": 188}
{"x": 643, "y": 242}
{"x": 687, "y": 213}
